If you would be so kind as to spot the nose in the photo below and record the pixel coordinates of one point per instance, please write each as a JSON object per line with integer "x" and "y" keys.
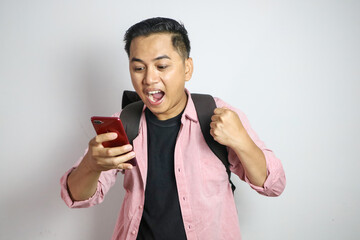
{"x": 151, "y": 76}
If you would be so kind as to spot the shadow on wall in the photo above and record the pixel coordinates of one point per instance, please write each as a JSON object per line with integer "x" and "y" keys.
{"x": 102, "y": 74}
{"x": 106, "y": 214}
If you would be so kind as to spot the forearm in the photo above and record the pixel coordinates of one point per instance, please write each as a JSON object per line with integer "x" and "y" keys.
{"x": 253, "y": 160}
{"x": 82, "y": 182}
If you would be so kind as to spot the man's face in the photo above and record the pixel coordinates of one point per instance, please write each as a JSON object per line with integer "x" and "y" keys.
{"x": 158, "y": 74}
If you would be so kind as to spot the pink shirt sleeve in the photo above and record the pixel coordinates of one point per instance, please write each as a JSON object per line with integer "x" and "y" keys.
{"x": 276, "y": 180}
{"x": 106, "y": 180}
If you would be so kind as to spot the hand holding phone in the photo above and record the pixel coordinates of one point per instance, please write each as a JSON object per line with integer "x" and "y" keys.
{"x": 112, "y": 124}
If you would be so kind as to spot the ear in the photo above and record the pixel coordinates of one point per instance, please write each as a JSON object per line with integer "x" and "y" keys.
{"x": 189, "y": 67}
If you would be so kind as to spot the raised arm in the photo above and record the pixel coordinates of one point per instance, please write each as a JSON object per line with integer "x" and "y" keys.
{"x": 227, "y": 129}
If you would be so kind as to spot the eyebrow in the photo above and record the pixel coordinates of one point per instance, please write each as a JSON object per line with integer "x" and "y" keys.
{"x": 134, "y": 59}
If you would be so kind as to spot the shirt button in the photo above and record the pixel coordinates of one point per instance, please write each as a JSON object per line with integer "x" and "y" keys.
{"x": 179, "y": 169}
{"x": 140, "y": 207}
{"x": 133, "y": 232}
{"x": 184, "y": 198}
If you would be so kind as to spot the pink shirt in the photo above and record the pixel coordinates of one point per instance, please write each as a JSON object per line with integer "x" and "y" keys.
{"x": 206, "y": 200}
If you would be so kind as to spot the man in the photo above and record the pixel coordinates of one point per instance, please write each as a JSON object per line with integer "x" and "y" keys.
{"x": 179, "y": 189}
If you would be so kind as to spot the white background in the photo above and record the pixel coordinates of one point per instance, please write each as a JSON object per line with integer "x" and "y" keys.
{"x": 292, "y": 66}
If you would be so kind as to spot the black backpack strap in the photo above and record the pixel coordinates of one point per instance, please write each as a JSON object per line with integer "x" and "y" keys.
{"x": 130, "y": 118}
{"x": 129, "y": 97}
{"x": 205, "y": 106}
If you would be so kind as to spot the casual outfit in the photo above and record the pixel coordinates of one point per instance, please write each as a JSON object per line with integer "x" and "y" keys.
{"x": 179, "y": 175}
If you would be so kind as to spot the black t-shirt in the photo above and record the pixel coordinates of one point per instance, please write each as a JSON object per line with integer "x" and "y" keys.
{"x": 162, "y": 217}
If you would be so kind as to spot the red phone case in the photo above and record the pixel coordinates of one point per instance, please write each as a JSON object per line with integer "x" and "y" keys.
{"x": 112, "y": 124}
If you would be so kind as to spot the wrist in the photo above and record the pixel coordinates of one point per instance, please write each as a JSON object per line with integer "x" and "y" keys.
{"x": 87, "y": 167}
{"x": 242, "y": 142}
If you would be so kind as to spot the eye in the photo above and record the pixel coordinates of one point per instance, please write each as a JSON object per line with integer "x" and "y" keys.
{"x": 138, "y": 69}
{"x": 162, "y": 67}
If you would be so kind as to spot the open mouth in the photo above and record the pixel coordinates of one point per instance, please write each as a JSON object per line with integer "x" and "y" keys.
{"x": 155, "y": 97}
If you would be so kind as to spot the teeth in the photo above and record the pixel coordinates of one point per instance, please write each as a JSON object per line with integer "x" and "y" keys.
{"x": 153, "y": 92}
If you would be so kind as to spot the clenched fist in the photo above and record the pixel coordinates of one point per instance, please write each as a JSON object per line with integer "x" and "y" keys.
{"x": 226, "y": 128}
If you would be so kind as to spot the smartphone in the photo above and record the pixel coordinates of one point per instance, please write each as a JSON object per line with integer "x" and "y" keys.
{"x": 112, "y": 124}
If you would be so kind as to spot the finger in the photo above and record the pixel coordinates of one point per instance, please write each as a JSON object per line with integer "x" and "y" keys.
{"x": 218, "y": 111}
{"x": 216, "y": 129}
{"x": 114, "y": 151}
{"x": 113, "y": 162}
{"x": 213, "y": 125}
{"x": 215, "y": 118}
{"x": 123, "y": 158}
{"x": 106, "y": 137}
{"x": 103, "y": 138}
{"x": 125, "y": 166}
{"x": 212, "y": 132}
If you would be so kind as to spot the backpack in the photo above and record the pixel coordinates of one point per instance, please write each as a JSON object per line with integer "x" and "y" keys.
{"x": 204, "y": 104}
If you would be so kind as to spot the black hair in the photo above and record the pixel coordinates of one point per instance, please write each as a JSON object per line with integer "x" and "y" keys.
{"x": 179, "y": 38}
